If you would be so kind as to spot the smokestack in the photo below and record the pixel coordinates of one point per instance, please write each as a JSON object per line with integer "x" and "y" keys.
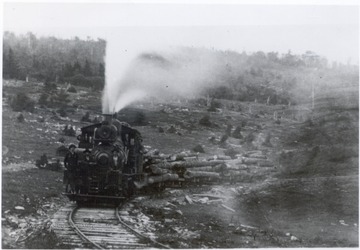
{"x": 108, "y": 118}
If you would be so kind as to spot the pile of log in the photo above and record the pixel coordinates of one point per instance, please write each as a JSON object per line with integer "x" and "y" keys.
{"x": 166, "y": 168}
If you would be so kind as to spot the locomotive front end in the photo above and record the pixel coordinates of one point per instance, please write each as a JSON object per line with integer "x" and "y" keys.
{"x": 110, "y": 159}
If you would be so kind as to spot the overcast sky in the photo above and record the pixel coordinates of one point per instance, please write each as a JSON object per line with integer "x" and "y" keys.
{"x": 329, "y": 30}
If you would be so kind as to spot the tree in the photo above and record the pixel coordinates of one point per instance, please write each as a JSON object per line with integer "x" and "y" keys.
{"x": 43, "y": 99}
{"x": 77, "y": 68}
{"x": 101, "y": 70}
{"x": 51, "y": 58}
{"x": 22, "y": 102}
{"x": 60, "y": 99}
{"x": 72, "y": 89}
{"x": 291, "y": 60}
{"x": 87, "y": 69}
{"x": 32, "y": 41}
{"x": 10, "y": 65}
{"x": 68, "y": 70}
{"x": 49, "y": 87}
{"x": 273, "y": 56}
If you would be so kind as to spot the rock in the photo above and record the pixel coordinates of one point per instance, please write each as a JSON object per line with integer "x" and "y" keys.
{"x": 188, "y": 199}
{"x": 178, "y": 201}
{"x": 13, "y": 234}
{"x": 176, "y": 192}
{"x": 183, "y": 245}
{"x": 342, "y": 222}
{"x": 212, "y": 139}
{"x": 171, "y": 130}
{"x": 203, "y": 200}
{"x": 198, "y": 148}
{"x": 179, "y": 212}
{"x": 287, "y": 234}
{"x": 293, "y": 238}
{"x": 19, "y": 208}
{"x": 234, "y": 190}
{"x": 13, "y": 220}
{"x": 168, "y": 220}
{"x": 170, "y": 204}
{"x": 47, "y": 206}
{"x": 23, "y": 224}
{"x": 154, "y": 152}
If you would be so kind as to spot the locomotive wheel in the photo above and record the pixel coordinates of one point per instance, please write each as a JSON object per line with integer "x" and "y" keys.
{"x": 129, "y": 190}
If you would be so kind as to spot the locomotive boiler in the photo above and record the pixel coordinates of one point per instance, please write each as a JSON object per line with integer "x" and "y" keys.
{"x": 110, "y": 160}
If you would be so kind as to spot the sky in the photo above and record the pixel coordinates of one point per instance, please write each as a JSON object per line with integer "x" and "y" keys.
{"x": 329, "y": 30}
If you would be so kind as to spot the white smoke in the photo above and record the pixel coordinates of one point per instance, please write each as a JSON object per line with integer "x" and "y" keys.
{"x": 158, "y": 69}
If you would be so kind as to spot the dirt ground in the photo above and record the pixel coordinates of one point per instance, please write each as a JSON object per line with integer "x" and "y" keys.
{"x": 307, "y": 197}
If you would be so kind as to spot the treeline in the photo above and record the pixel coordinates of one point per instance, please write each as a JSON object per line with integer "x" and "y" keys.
{"x": 271, "y": 78}
{"x": 274, "y": 78}
{"x": 50, "y": 59}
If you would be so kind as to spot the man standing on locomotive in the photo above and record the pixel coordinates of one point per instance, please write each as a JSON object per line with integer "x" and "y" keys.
{"x": 71, "y": 165}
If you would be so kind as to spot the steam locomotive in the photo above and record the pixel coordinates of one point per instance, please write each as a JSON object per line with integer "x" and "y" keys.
{"x": 110, "y": 160}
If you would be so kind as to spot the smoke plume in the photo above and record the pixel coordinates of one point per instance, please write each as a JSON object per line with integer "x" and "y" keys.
{"x": 163, "y": 74}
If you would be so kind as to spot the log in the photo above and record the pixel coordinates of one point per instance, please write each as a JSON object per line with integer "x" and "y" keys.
{"x": 228, "y": 208}
{"x": 155, "y": 179}
{"x": 259, "y": 156}
{"x": 215, "y": 201}
{"x": 234, "y": 163}
{"x": 219, "y": 157}
{"x": 158, "y": 171}
{"x": 188, "y": 199}
{"x": 183, "y": 155}
{"x": 217, "y": 168}
{"x": 246, "y": 226}
{"x": 190, "y": 158}
{"x": 163, "y": 178}
{"x": 265, "y": 164}
{"x": 188, "y": 164}
{"x": 156, "y": 157}
{"x": 166, "y": 165}
{"x": 233, "y": 173}
{"x": 193, "y": 174}
{"x": 193, "y": 164}
{"x": 210, "y": 196}
{"x": 249, "y": 161}
{"x": 257, "y": 161}
{"x": 253, "y": 152}
{"x": 237, "y": 167}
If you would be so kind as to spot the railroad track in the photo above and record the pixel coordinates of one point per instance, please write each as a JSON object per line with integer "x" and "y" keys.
{"x": 99, "y": 228}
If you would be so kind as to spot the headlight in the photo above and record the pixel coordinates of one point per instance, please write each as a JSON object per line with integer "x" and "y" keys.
{"x": 103, "y": 159}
